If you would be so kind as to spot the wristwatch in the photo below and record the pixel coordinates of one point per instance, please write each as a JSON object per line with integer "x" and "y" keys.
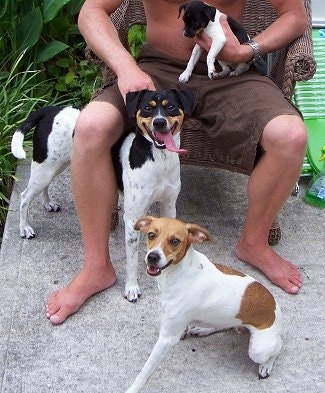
{"x": 256, "y": 51}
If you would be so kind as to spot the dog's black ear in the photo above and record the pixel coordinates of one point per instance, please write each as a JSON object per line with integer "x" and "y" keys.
{"x": 132, "y": 102}
{"x": 186, "y": 98}
{"x": 210, "y": 12}
{"x": 181, "y": 8}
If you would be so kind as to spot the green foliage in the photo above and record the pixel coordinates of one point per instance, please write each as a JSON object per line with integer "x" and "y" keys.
{"x": 136, "y": 38}
{"x": 46, "y": 31}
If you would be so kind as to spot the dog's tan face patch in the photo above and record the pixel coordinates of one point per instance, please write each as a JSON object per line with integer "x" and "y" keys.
{"x": 171, "y": 237}
{"x": 168, "y": 109}
{"x": 257, "y": 307}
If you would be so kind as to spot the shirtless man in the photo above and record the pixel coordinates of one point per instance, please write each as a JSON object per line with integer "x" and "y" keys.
{"x": 282, "y": 138}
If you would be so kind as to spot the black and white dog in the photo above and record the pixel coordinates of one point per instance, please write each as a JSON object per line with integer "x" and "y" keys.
{"x": 52, "y": 144}
{"x": 146, "y": 161}
{"x": 199, "y": 16}
{"x": 148, "y": 170}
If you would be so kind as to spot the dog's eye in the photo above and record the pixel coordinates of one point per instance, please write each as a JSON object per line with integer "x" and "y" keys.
{"x": 171, "y": 107}
{"x": 147, "y": 108}
{"x": 174, "y": 242}
{"x": 151, "y": 235}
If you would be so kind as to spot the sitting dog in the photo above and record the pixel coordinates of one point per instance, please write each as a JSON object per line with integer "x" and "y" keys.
{"x": 194, "y": 290}
{"x": 146, "y": 161}
{"x": 52, "y": 144}
{"x": 199, "y": 16}
{"x": 147, "y": 166}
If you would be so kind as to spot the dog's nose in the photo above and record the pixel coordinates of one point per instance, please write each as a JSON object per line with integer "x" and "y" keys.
{"x": 159, "y": 123}
{"x": 153, "y": 257}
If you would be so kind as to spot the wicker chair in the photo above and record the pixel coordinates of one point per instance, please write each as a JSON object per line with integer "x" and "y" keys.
{"x": 291, "y": 64}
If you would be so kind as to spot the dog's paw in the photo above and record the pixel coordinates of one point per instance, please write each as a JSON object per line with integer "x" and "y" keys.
{"x": 132, "y": 293}
{"x": 27, "y": 232}
{"x": 264, "y": 371}
{"x": 52, "y": 206}
{"x": 200, "y": 331}
{"x": 184, "y": 77}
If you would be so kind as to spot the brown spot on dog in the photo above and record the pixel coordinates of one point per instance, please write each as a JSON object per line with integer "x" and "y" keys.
{"x": 228, "y": 270}
{"x": 257, "y": 307}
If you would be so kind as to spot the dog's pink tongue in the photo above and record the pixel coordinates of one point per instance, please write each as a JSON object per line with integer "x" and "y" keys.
{"x": 169, "y": 142}
{"x": 153, "y": 271}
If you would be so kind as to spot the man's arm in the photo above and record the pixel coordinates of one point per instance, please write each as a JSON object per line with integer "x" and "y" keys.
{"x": 101, "y": 36}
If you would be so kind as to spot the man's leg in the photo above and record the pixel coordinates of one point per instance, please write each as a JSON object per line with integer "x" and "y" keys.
{"x": 271, "y": 182}
{"x": 94, "y": 187}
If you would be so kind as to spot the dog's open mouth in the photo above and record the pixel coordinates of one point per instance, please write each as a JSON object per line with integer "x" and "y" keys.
{"x": 155, "y": 271}
{"x": 165, "y": 140}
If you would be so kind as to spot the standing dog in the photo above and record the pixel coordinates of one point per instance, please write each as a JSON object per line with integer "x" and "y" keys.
{"x": 52, "y": 144}
{"x": 147, "y": 166}
{"x": 194, "y": 290}
{"x": 199, "y": 16}
{"x": 146, "y": 161}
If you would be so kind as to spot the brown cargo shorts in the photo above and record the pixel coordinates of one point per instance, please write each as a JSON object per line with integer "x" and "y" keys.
{"x": 233, "y": 110}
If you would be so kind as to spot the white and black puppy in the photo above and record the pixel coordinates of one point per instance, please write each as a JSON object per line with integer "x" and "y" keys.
{"x": 52, "y": 144}
{"x": 200, "y": 298}
{"x": 147, "y": 164}
{"x": 199, "y": 16}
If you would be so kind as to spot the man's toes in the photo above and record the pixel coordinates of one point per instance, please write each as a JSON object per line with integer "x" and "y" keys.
{"x": 57, "y": 319}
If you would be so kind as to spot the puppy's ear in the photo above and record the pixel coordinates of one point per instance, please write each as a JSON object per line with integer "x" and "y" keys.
{"x": 198, "y": 234}
{"x": 186, "y": 98}
{"x": 143, "y": 223}
{"x": 181, "y": 8}
{"x": 210, "y": 12}
{"x": 132, "y": 102}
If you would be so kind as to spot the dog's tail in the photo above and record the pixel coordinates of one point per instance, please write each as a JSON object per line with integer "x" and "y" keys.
{"x": 32, "y": 120}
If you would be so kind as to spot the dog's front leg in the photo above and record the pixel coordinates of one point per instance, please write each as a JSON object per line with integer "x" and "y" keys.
{"x": 211, "y": 58}
{"x": 159, "y": 352}
{"x": 132, "y": 290}
{"x": 196, "y": 53}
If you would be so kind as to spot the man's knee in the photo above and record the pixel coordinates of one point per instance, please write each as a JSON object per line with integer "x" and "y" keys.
{"x": 98, "y": 126}
{"x": 287, "y": 133}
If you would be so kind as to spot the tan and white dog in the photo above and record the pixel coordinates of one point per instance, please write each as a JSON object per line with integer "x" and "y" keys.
{"x": 217, "y": 297}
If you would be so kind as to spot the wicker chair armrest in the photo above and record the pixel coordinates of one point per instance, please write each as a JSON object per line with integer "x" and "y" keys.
{"x": 296, "y": 62}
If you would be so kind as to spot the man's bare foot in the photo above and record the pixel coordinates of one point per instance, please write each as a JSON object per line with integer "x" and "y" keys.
{"x": 281, "y": 272}
{"x": 67, "y": 301}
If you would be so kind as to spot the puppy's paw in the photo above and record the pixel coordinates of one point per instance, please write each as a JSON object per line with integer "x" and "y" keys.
{"x": 27, "y": 232}
{"x": 184, "y": 77}
{"x": 213, "y": 74}
{"x": 240, "y": 69}
{"x": 52, "y": 206}
{"x": 132, "y": 293}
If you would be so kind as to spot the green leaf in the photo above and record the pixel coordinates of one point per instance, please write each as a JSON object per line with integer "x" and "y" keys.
{"x": 64, "y": 62}
{"x": 51, "y": 8}
{"x": 74, "y": 6}
{"x": 51, "y": 49}
{"x": 29, "y": 30}
{"x": 69, "y": 77}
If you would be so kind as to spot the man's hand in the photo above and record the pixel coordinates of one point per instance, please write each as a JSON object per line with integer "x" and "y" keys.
{"x": 134, "y": 80}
